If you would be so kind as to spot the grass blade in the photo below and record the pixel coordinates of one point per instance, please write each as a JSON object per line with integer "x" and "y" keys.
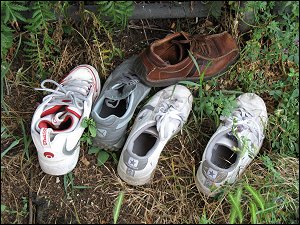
{"x": 10, "y": 147}
{"x": 253, "y": 210}
{"x": 235, "y": 207}
{"x": 117, "y": 207}
{"x": 81, "y": 187}
{"x": 66, "y": 183}
{"x": 26, "y": 139}
{"x": 190, "y": 83}
{"x": 256, "y": 196}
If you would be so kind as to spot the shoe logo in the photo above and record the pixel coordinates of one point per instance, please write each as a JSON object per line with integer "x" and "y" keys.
{"x": 141, "y": 117}
{"x": 102, "y": 132}
{"x": 133, "y": 162}
{"x": 208, "y": 183}
{"x": 130, "y": 172}
{"x": 44, "y": 136}
{"x": 212, "y": 173}
{"x": 70, "y": 152}
{"x": 48, "y": 155}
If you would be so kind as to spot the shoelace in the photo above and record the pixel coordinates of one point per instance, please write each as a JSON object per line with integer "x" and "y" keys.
{"x": 76, "y": 91}
{"x": 244, "y": 118}
{"x": 167, "y": 111}
{"x": 199, "y": 46}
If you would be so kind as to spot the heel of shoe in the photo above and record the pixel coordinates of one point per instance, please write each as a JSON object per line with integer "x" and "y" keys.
{"x": 134, "y": 181}
{"x": 62, "y": 167}
{"x": 110, "y": 146}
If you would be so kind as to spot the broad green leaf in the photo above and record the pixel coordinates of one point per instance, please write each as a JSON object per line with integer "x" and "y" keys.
{"x": 93, "y": 150}
{"x": 84, "y": 122}
{"x": 102, "y": 157}
{"x": 93, "y": 131}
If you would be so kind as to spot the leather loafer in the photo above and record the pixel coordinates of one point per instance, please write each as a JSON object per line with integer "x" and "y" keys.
{"x": 167, "y": 61}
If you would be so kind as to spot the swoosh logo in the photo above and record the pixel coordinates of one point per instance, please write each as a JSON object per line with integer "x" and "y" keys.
{"x": 70, "y": 152}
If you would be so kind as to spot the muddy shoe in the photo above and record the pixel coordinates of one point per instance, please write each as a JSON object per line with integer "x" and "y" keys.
{"x": 56, "y": 124}
{"x": 233, "y": 146}
{"x": 120, "y": 96}
{"x": 167, "y": 61}
{"x": 157, "y": 122}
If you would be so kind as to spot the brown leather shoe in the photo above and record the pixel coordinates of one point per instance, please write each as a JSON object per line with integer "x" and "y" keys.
{"x": 167, "y": 61}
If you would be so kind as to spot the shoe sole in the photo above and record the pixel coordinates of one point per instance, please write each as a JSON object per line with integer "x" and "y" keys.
{"x": 115, "y": 147}
{"x": 172, "y": 81}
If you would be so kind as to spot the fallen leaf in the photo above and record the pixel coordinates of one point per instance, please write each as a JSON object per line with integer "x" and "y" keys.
{"x": 84, "y": 161}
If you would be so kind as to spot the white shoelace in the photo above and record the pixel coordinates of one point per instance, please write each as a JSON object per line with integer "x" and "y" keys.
{"x": 167, "y": 112}
{"x": 75, "y": 90}
{"x": 245, "y": 118}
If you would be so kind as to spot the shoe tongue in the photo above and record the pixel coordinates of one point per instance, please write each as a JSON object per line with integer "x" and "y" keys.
{"x": 170, "y": 128}
{"x": 113, "y": 96}
{"x": 181, "y": 45}
{"x": 60, "y": 118}
{"x": 228, "y": 141}
{"x": 152, "y": 131}
{"x": 180, "y": 49}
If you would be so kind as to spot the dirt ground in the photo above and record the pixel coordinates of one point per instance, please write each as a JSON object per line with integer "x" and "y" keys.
{"x": 171, "y": 197}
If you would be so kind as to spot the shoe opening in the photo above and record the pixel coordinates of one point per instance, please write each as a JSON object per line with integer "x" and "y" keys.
{"x": 144, "y": 143}
{"x": 113, "y": 107}
{"x": 174, "y": 51}
{"x": 223, "y": 156}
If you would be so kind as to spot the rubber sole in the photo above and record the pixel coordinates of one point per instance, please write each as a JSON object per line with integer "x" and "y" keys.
{"x": 115, "y": 147}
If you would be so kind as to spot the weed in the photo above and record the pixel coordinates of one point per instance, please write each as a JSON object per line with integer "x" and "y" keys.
{"x": 275, "y": 201}
{"x": 204, "y": 219}
{"x": 273, "y": 53}
{"x": 102, "y": 155}
{"x": 69, "y": 184}
{"x": 87, "y": 137}
{"x": 90, "y": 133}
{"x": 6, "y": 135}
{"x": 23, "y": 213}
{"x": 40, "y": 44}
{"x": 236, "y": 208}
{"x": 284, "y": 123}
{"x": 118, "y": 13}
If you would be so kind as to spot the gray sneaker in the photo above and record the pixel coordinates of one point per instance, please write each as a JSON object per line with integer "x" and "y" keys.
{"x": 119, "y": 97}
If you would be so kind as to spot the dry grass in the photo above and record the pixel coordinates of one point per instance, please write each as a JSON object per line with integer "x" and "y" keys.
{"x": 171, "y": 197}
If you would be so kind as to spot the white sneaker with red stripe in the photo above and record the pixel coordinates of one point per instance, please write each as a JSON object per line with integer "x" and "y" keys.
{"x": 56, "y": 124}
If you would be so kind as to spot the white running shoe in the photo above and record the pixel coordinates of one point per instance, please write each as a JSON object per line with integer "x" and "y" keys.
{"x": 56, "y": 124}
{"x": 157, "y": 122}
{"x": 233, "y": 146}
